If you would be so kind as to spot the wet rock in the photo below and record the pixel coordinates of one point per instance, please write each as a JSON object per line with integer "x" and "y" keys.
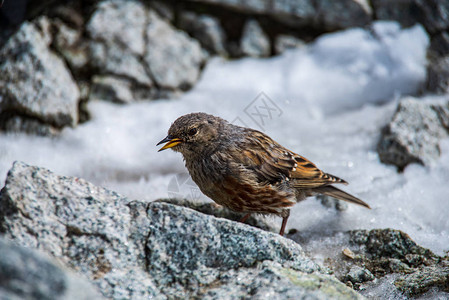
{"x": 28, "y": 274}
{"x": 131, "y": 249}
{"x": 35, "y": 83}
{"x": 174, "y": 59}
{"x": 206, "y": 29}
{"x": 254, "y": 41}
{"x": 414, "y": 132}
{"x": 285, "y": 42}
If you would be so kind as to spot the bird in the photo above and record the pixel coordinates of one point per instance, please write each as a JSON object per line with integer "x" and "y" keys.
{"x": 245, "y": 170}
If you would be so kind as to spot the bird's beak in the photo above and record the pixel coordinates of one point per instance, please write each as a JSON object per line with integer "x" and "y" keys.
{"x": 170, "y": 142}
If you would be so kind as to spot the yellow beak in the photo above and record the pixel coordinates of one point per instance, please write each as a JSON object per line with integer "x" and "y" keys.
{"x": 170, "y": 142}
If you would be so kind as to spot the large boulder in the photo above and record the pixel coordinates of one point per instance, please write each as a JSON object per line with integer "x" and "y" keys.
{"x": 413, "y": 134}
{"x": 27, "y": 274}
{"x": 37, "y": 91}
{"x": 131, "y": 249}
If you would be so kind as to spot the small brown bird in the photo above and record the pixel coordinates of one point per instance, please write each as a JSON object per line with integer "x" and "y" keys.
{"x": 245, "y": 170}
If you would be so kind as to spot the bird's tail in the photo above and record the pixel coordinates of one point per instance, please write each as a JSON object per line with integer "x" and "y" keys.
{"x": 339, "y": 194}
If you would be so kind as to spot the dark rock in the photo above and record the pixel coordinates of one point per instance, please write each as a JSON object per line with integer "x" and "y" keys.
{"x": 131, "y": 249}
{"x": 434, "y": 15}
{"x": 406, "y": 12}
{"x": 254, "y": 41}
{"x": 414, "y": 132}
{"x": 417, "y": 283}
{"x": 35, "y": 83}
{"x": 438, "y": 75}
{"x": 439, "y": 44}
{"x": 206, "y": 29}
{"x": 28, "y": 274}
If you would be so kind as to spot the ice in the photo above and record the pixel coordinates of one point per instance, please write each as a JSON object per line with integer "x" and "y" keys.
{"x": 331, "y": 100}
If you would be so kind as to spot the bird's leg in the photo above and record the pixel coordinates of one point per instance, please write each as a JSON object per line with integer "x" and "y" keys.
{"x": 244, "y": 218}
{"x": 284, "y": 221}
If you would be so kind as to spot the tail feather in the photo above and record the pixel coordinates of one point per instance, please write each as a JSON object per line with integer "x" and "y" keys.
{"x": 341, "y": 195}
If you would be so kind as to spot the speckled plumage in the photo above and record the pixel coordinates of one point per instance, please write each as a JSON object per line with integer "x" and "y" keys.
{"x": 245, "y": 170}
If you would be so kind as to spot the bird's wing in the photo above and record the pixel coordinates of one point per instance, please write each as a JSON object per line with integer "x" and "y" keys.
{"x": 273, "y": 163}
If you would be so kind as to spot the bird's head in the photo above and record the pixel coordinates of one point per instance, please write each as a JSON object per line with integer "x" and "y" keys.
{"x": 194, "y": 133}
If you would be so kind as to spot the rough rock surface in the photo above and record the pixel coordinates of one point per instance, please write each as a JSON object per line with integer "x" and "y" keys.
{"x": 414, "y": 132}
{"x": 133, "y": 43}
{"x": 131, "y": 249}
{"x": 27, "y": 274}
{"x": 35, "y": 83}
{"x": 362, "y": 258}
{"x": 285, "y": 42}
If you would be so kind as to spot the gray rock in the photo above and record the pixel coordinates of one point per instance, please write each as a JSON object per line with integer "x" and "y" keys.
{"x": 34, "y": 82}
{"x": 131, "y": 249}
{"x": 211, "y": 208}
{"x": 333, "y": 203}
{"x": 254, "y": 41}
{"x": 438, "y": 75}
{"x": 14, "y": 123}
{"x": 111, "y": 88}
{"x": 190, "y": 254}
{"x": 28, "y": 274}
{"x": 439, "y": 44}
{"x": 206, "y": 29}
{"x": 117, "y": 29}
{"x": 420, "y": 282}
{"x": 358, "y": 275}
{"x": 88, "y": 228}
{"x": 164, "y": 9}
{"x": 285, "y": 42}
{"x": 414, "y": 132}
{"x": 323, "y": 14}
{"x": 174, "y": 59}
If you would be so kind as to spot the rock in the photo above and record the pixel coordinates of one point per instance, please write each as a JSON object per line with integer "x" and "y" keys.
{"x": 206, "y": 29}
{"x": 211, "y": 208}
{"x": 285, "y": 42}
{"x": 434, "y": 15}
{"x": 439, "y": 45}
{"x": 420, "y": 282}
{"x": 164, "y": 9}
{"x": 90, "y": 229}
{"x": 28, "y": 274}
{"x": 385, "y": 254}
{"x": 438, "y": 75}
{"x": 331, "y": 202}
{"x": 414, "y": 132}
{"x": 14, "y": 123}
{"x": 406, "y": 12}
{"x": 131, "y": 249}
{"x": 111, "y": 88}
{"x": 358, "y": 275}
{"x": 35, "y": 83}
{"x": 254, "y": 41}
{"x": 174, "y": 59}
{"x": 117, "y": 30}
{"x": 323, "y": 14}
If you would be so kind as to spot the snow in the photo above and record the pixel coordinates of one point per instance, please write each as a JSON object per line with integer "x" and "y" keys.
{"x": 328, "y": 101}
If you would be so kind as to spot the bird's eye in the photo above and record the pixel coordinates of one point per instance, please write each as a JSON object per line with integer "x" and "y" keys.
{"x": 193, "y": 131}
